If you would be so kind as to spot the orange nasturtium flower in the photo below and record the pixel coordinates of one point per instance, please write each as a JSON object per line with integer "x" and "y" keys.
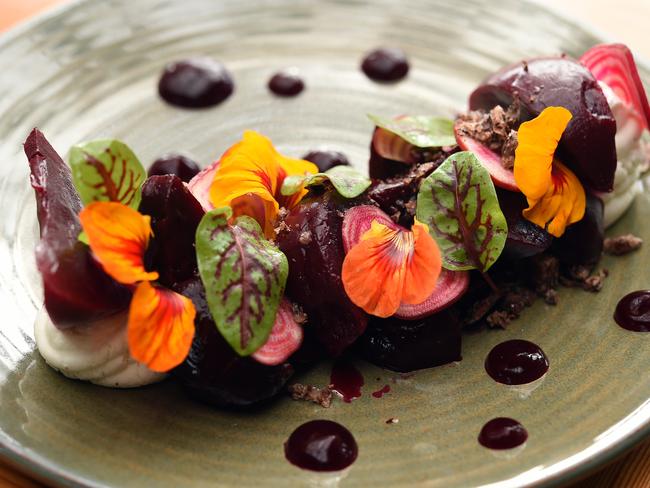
{"x": 555, "y": 196}
{"x": 160, "y": 327}
{"x": 391, "y": 266}
{"x": 249, "y": 179}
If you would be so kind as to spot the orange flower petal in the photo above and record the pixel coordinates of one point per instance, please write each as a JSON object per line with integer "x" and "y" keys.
{"x": 118, "y": 237}
{"x": 160, "y": 328}
{"x": 391, "y": 266}
{"x": 555, "y": 196}
{"x": 254, "y": 167}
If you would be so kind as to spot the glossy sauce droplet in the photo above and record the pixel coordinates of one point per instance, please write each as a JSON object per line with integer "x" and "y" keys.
{"x": 381, "y": 392}
{"x": 321, "y": 445}
{"x": 502, "y": 433}
{"x": 346, "y": 380}
{"x": 195, "y": 83}
{"x": 327, "y": 159}
{"x": 174, "y": 164}
{"x": 633, "y": 311}
{"x": 385, "y": 64}
{"x": 286, "y": 83}
{"x": 516, "y": 362}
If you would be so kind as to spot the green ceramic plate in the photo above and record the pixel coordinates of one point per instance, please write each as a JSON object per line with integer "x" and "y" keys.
{"x": 90, "y": 69}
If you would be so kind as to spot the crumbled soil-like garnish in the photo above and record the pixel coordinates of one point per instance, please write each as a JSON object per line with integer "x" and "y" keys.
{"x": 550, "y": 297}
{"x": 582, "y": 277}
{"x": 480, "y": 308}
{"x": 320, "y": 396}
{"x": 499, "y": 319}
{"x": 544, "y": 273}
{"x": 496, "y": 129}
{"x": 594, "y": 283}
{"x": 620, "y": 245}
{"x": 281, "y": 226}
{"x": 392, "y": 420}
{"x": 305, "y": 238}
{"x": 299, "y": 315}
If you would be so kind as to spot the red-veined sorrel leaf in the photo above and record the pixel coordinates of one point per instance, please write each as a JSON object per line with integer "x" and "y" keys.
{"x": 347, "y": 181}
{"x": 244, "y": 277}
{"x": 459, "y": 204}
{"x": 419, "y": 130}
{"x": 107, "y": 170}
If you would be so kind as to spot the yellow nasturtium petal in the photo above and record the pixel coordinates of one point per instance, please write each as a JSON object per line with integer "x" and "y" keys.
{"x": 250, "y": 176}
{"x": 555, "y": 196}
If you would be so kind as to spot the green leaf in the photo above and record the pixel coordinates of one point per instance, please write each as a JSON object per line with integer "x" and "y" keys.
{"x": 106, "y": 170}
{"x": 347, "y": 181}
{"x": 459, "y": 204}
{"x": 83, "y": 237}
{"x": 244, "y": 277}
{"x": 419, "y": 130}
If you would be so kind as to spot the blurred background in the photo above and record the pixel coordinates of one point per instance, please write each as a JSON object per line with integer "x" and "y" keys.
{"x": 624, "y": 20}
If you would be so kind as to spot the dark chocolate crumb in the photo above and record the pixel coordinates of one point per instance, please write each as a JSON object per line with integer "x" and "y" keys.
{"x": 544, "y": 273}
{"x": 320, "y": 396}
{"x": 392, "y": 420}
{"x": 595, "y": 282}
{"x": 499, "y": 319}
{"x": 550, "y": 297}
{"x": 299, "y": 314}
{"x": 305, "y": 238}
{"x": 620, "y": 245}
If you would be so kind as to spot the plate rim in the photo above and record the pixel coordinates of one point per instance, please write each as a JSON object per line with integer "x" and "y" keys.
{"x": 40, "y": 468}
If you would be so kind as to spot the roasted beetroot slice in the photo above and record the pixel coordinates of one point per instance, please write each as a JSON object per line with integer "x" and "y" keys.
{"x": 582, "y": 243}
{"x": 613, "y": 64}
{"x": 77, "y": 290}
{"x": 214, "y": 373}
{"x": 525, "y": 239}
{"x": 285, "y": 338}
{"x": 502, "y": 177}
{"x": 313, "y": 245}
{"x": 450, "y": 287}
{"x": 200, "y": 185}
{"x": 451, "y": 284}
{"x": 587, "y": 145}
{"x": 175, "y": 215}
{"x": 409, "y": 345}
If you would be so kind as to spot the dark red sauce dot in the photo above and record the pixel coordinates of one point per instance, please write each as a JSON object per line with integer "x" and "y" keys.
{"x": 381, "y": 392}
{"x": 516, "y": 362}
{"x": 195, "y": 83}
{"x": 633, "y": 311}
{"x": 346, "y": 380}
{"x": 385, "y": 64}
{"x": 327, "y": 159}
{"x": 174, "y": 164}
{"x": 321, "y": 445}
{"x": 502, "y": 433}
{"x": 286, "y": 84}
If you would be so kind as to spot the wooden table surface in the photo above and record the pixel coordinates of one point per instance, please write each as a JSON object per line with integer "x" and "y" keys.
{"x": 624, "y": 20}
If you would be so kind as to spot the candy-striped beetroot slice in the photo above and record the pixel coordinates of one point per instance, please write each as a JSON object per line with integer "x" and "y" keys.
{"x": 285, "y": 338}
{"x": 502, "y": 177}
{"x": 391, "y": 146}
{"x": 450, "y": 287}
{"x": 358, "y": 220}
{"x": 199, "y": 186}
{"x": 613, "y": 64}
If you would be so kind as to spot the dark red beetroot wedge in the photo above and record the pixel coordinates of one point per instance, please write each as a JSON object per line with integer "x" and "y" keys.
{"x": 525, "y": 239}
{"x": 587, "y": 145}
{"x": 502, "y": 177}
{"x": 582, "y": 243}
{"x": 200, "y": 185}
{"x": 77, "y": 290}
{"x": 213, "y": 372}
{"x": 313, "y": 245}
{"x": 285, "y": 338}
{"x": 175, "y": 215}
{"x": 614, "y": 65}
{"x": 450, "y": 286}
{"x": 408, "y": 345}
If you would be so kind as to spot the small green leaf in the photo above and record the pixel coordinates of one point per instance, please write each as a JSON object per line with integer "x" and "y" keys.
{"x": 244, "y": 277}
{"x": 459, "y": 204}
{"x": 347, "y": 181}
{"x": 106, "y": 170}
{"x": 83, "y": 237}
{"x": 419, "y": 130}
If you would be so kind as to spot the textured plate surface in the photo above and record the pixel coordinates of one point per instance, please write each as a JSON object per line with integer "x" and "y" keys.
{"x": 90, "y": 70}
